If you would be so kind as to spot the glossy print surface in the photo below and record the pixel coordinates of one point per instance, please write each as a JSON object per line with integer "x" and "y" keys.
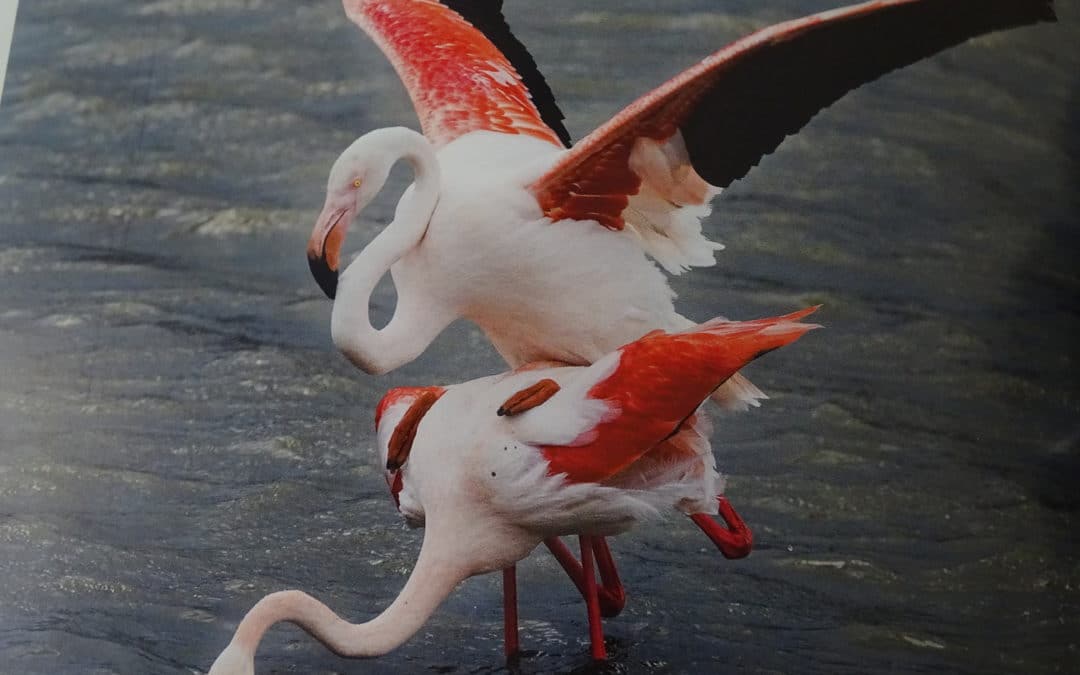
{"x": 178, "y": 435}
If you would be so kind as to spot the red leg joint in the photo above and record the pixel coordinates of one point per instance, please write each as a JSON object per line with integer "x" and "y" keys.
{"x": 735, "y": 540}
{"x": 610, "y": 591}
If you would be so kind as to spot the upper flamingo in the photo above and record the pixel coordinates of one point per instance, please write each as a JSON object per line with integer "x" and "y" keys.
{"x": 546, "y": 247}
{"x": 606, "y": 446}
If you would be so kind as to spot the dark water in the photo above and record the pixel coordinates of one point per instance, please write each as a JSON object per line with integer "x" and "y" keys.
{"x": 178, "y": 437}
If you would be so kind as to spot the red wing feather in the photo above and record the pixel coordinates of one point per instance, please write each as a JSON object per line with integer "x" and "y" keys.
{"x": 659, "y": 382}
{"x": 738, "y": 104}
{"x": 405, "y": 396}
{"x": 458, "y": 80}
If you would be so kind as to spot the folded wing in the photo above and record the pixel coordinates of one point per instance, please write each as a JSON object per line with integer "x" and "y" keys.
{"x": 653, "y": 386}
{"x": 397, "y": 415}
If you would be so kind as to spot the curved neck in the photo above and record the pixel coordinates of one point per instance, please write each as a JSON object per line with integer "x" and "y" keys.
{"x": 430, "y": 583}
{"x": 413, "y": 326}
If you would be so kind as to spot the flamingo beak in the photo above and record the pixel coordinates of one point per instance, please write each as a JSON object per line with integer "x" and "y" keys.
{"x": 324, "y": 247}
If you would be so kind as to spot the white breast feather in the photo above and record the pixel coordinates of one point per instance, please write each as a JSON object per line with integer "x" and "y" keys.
{"x": 665, "y": 215}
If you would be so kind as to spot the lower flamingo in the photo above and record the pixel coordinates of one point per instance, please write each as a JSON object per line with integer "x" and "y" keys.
{"x": 495, "y": 466}
{"x": 396, "y": 419}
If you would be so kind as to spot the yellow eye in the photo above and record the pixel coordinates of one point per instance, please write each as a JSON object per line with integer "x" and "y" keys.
{"x": 356, "y": 183}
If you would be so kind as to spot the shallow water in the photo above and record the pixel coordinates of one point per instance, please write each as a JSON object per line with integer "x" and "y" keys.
{"x": 178, "y": 437}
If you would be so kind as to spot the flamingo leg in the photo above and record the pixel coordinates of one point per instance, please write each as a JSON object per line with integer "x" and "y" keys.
{"x": 592, "y": 602}
{"x": 511, "y": 643}
{"x": 611, "y": 593}
{"x": 735, "y": 540}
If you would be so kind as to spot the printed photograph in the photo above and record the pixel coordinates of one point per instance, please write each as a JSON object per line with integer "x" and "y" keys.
{"x": 485, "y": 336}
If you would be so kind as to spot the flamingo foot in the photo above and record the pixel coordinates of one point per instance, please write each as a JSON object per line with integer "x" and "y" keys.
{"x": 511, "y": 643}
{"x": 592, "y": 601}
{"x": 528, "y": 398}
{"x": 735, "y": 540}
{"x": 610, "y": 592}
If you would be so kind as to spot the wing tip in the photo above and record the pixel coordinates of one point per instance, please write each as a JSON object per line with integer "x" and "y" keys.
{"x": 491, "y": 22}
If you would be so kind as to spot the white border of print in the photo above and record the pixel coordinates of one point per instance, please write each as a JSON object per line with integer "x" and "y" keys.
{"x": 7, "y": 29}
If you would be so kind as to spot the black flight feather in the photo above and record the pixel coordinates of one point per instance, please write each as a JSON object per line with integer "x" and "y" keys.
{"x": 486, "y": 16}
{"x": 773, "y": 90}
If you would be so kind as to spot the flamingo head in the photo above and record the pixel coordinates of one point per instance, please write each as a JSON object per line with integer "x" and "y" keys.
{"x": 356, "y": 177}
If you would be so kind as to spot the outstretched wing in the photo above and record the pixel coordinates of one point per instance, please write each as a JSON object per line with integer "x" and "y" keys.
{"x": 464, "y": 70}
{"x": 652, "y": 386}
{"x": 717, "y": 119}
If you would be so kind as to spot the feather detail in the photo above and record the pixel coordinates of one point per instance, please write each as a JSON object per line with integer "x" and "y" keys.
{"x": 658, "y": 383}
{"x": 457, "y": 78}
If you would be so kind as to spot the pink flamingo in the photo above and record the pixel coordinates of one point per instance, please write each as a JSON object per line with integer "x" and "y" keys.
{"x": 396, "y": 420}
{"x": 546, "y": 247}
{"x": 587, "y": 450}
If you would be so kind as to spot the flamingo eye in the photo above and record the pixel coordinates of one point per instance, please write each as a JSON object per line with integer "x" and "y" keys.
{"x": 356, "y": 183}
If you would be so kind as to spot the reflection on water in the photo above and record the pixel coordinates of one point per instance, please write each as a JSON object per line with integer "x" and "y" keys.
{"x": 177, "y": 436}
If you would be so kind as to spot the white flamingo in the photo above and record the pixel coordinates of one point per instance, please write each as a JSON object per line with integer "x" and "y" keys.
{"x": 545, "y": 247}
{"x": 494, "y": 466}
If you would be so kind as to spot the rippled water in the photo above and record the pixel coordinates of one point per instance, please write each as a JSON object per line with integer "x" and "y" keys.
{"x": 178, "y": 437}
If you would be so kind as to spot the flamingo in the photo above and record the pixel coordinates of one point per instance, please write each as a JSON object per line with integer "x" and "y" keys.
{"x": 545, "y": 246}
{"x": 587, "y": 450}
{"x": 396, "y": 420}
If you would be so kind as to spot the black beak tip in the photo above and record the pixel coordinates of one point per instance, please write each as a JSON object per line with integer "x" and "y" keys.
{"x": 324, "y": 276}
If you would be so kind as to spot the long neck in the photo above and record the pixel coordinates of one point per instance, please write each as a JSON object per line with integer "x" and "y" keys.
{"x": 430, "y": 583}
{"x": 413, "y": 325}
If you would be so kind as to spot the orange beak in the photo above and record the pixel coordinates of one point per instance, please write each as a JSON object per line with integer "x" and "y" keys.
{"x": 324, "y": 247}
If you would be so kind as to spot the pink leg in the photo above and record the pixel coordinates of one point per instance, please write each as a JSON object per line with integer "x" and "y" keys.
{"x": 735, "y": 540}
{"x": 592, "y": 602}
{"x": 611, "y": 593}
{"x": 510, "y": 615}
